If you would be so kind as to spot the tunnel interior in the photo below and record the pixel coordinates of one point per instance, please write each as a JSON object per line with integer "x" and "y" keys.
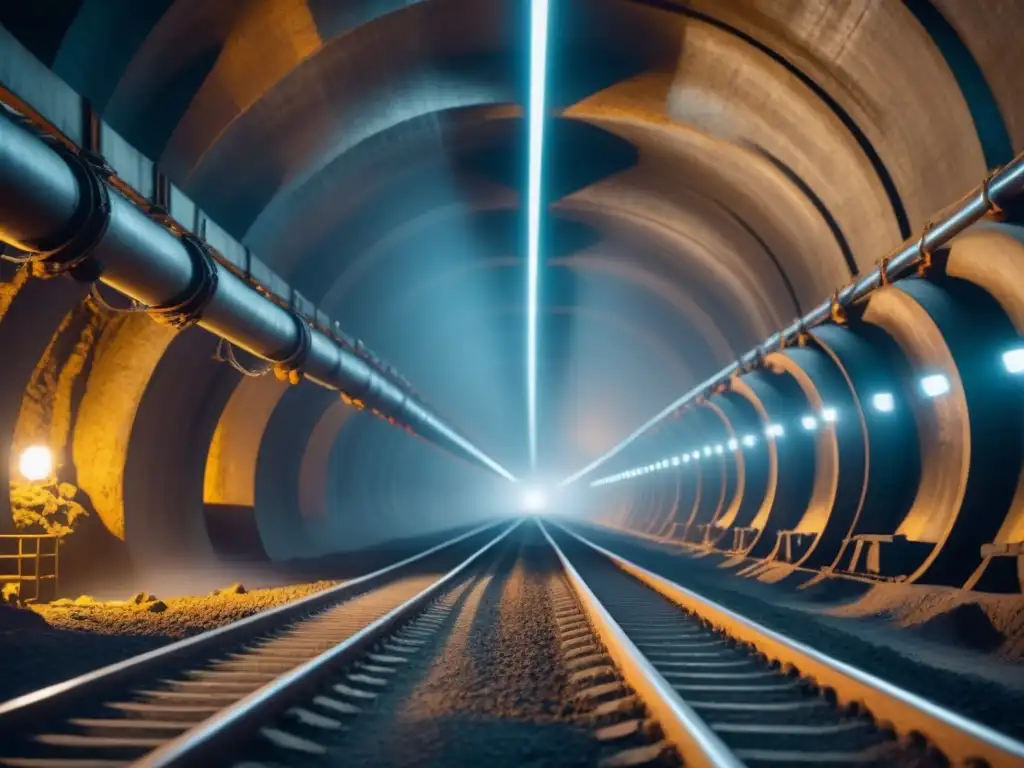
{"x": 711, "y": 172}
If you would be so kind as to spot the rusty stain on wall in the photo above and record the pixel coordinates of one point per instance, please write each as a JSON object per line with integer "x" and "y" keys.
{"x": 46, "y": 409}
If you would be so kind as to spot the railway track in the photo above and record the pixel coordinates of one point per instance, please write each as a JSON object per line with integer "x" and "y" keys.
{"x": 182, "y": 704}
{"x": 658, "y": 674}
{"x": 729, "y": 692}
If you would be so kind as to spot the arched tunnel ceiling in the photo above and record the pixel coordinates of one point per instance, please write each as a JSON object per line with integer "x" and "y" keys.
{"x": 712, "y": 169}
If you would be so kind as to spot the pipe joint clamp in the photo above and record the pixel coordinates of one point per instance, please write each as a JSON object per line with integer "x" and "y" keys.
{"x": 72, "y": 252}
{"x": 187, "y": 308}
{"x": 289, "y": 368}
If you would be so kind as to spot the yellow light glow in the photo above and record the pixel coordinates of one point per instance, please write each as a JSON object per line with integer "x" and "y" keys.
{"x": 36, "y": 463}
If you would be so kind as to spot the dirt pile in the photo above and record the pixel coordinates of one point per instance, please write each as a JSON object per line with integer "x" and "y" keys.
{"x": 48, "y": 643}
{"x": 977, "y": 620}
{"x": 171, "y": 617}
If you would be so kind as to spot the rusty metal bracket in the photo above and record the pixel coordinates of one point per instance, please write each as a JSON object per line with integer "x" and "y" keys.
{"x": 924, "y": 253}
{"x": 836, "y": 310}
{"x": 994, "y": 212}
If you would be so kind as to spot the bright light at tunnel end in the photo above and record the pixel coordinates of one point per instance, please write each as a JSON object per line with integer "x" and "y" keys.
{"x": 538, "y": 77}
{"x": 534, "y": 500}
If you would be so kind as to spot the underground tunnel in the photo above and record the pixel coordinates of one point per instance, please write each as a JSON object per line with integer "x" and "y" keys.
{"x": 463, "y": 382}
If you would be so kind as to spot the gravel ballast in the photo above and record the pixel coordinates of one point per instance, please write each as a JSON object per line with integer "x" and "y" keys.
{"x": 493, "y": 690}
{"x": 947, "y": 670}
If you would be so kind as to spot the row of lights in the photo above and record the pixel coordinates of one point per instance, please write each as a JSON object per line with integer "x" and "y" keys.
{"x": 932, "y": 386}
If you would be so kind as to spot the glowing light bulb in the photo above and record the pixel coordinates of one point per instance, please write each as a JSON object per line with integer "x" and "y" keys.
{"x": 1013, "y": 360}
{"x": 883, "y": 402}
{"x": 36, "y": 463}
{"x": 935, "y": 385}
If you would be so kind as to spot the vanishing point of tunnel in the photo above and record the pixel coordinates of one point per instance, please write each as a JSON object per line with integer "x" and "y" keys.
{"x": 512, "y": 382}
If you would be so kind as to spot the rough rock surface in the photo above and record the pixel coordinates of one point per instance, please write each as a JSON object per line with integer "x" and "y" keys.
{"x": 495, "y": 692}
{"x": 878, "y": 629}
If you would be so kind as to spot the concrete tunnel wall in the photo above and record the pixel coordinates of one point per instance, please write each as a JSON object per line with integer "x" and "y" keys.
{"x": 922, "y": 493}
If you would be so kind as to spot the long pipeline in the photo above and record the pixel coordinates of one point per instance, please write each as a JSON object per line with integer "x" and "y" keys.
{"x": 59, "y": 209}
{"x": 997, "y": 192}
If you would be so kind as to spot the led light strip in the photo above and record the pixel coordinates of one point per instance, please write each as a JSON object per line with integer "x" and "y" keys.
{"x": 538, "y": 76}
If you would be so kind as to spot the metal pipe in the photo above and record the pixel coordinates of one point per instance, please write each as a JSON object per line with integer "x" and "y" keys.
{"x": 38, "y": 190}
{"x": 63, "y": 212}
{"x": 995, "y": 193}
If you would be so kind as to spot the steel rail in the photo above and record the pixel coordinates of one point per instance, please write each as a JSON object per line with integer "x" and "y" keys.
{"x": 994, "y": 194}
{"x": 697, "y": 744}
{"x": 960, "y": 738}
{"x": 211, "y": 738}
{"x": 93, "y": 685}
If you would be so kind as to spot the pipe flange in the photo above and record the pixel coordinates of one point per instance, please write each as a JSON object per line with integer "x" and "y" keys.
{"x": 288, "y": 368}
{"x": 187, "y": 308}
{"x": 73, "y": 249}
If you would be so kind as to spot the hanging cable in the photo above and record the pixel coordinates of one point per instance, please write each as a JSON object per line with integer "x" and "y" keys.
{"x": 11, "y": 254}
{"x": 103, "y": 303}
{"x": 225, "y": 353}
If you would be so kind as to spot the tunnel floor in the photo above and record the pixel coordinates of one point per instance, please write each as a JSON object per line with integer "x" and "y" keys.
{"x": 495, "y": 678}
